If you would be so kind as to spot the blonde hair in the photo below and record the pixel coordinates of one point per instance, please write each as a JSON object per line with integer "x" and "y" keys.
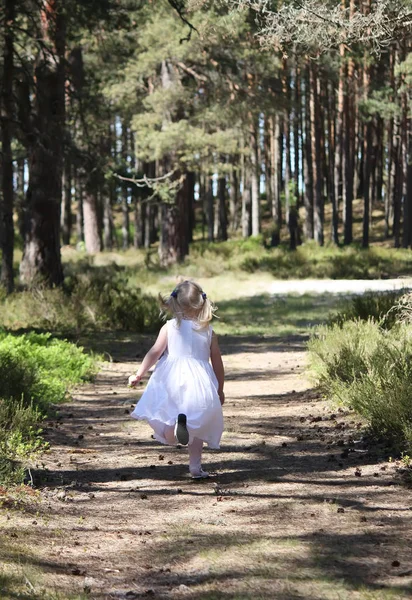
{"x": 188, "y": 301}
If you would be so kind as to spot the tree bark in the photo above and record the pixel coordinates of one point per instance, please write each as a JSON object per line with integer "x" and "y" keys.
{"x": 210, "y": 210}
{"x": 316, "y": 132}
{"x": 6, "y": 207}
{"x": 275, "y": 160}
{"x": 221, "y": 194}
{"x": 174, "y": 240}
{"x": 125, "y": 190}
{"x": 90, "y": 216}
{"x": 308, "y": 161}
{"x": 66, "y": 209}
{"x": 331, "y": 165}
{"x": 339, "y": 130}
{"x": 349, "y": 141}
{"x": 367, "y": 160}
{"x": 41, "y": 255}
{"x": 234, "y": 199}
{"x": 254, "y": 178}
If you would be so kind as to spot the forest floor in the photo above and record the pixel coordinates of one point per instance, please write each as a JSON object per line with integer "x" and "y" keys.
{"x": 299, "y": 507}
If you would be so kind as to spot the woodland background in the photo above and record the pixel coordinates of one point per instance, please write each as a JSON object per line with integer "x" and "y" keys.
{"x": 130, "y": 123}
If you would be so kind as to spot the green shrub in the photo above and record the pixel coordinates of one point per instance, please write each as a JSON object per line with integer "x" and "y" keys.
{"x": 92, "y": 298}
{"x": 36, "y": 370}
{"x": 362, "y": 366}
{"x": 379, "y": 307}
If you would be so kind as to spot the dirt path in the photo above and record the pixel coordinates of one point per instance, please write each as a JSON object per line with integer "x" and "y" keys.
{"x": 298, "y": 509}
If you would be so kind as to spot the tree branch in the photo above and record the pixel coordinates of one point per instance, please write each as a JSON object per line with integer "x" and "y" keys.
{"x": 179, "y": 7}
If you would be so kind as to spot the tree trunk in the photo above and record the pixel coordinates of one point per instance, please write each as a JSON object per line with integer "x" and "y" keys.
{"x": 174, "y": 241}
{"x": 339, "y": 130}
{"x": 408, "y": 198}
{"x": 210, "y": 210}
{"x": 331, "y": 164}
{"x": 254, "y": 176}
{"x": 308, "y": 160}
{"x": 349, "y": 141}
{"x": 221, "y": 194}
{"x": 367, "y": 160}
{"x": 191, "y": 182}
{"x": 275, "y": 160}
{"x": 91, "y": 217}
{"x": 316, "y": 133}
{"x": 66, "y": 209}
{"x": 234, "y": 199}
{"x": 296, "y": 122}
{"x": 246, "y": 205}
{"x": 125, "y": 190}
{"x": 6, "y": 100}
{"x": 41, "y": 255}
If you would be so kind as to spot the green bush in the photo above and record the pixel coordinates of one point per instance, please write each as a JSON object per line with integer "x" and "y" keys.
{"x": 379, "y": 307}
{"x": 369, "y": 369}
{"x": 92, "y": 298}
{"x": 35, "y": 372}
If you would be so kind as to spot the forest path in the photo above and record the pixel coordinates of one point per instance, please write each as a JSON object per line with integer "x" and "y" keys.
{"x": 295, "y": 510}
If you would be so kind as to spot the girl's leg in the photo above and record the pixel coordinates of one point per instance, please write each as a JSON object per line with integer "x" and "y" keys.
{"x": 195, "y": 457}
{"x": 169, "y": 434}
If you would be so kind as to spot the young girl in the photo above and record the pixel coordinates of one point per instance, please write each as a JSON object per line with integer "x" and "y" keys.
{"x": 183, "y": 399}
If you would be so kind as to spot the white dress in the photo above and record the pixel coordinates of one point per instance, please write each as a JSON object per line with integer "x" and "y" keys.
{"x": 184, "y": 382}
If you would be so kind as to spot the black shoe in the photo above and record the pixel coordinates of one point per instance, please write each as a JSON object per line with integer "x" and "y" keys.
{"x": 181, "y": 432}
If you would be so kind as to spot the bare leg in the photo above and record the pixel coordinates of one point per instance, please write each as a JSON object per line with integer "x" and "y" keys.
{"x": 195, "y": 456}
{"x": 169, "y": 435}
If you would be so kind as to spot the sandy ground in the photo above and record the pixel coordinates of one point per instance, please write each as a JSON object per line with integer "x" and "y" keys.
{"x": 299, "y": 507}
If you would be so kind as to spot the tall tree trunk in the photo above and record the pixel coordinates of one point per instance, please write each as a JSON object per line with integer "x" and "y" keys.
{"x": 221, "y": 194}
{"x": 79, "y": 210}
{"x": 367, "y": 160}
{"x": 331, "y": 164}
{"x": 349, "y": 146}
{"x": 246, "y": 201}
{"x": 66, "y": 209}
{"x": 316, "y": 133}
{"x": 41, "y": 255}
{"x": 296, "y": 136}
{"x": 210, "y": 210}
{"x": 339, "y": 128}
{"x": 125, "y": 189}
{"x": 174, "y": 240}
{"x": 90, "y": 215}
{"x": 405, "y": 134}
{"x": 6, "y": 100}
{"x": 397, "y": 167}
{"x": 254, "y": 177}
{"x": 191, "y": 182}
{"x": 234, "y": 199}
{"x": 275, "y": 160}
{"x": 408, "y": 198}
{"x": 348, "y": 157}
{"x": 308, "y": 160}
{"x": 391, "y": 167}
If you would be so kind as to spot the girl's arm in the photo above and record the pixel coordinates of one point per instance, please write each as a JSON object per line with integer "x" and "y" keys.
{"x": 218, "y": 367}
{"x": 151, "y": 357}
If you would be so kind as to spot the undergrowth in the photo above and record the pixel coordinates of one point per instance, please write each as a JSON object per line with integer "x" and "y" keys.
{"x": 369, "y": 369}
{"x": 92, "y": 298}
{"x": 36, "y": 371}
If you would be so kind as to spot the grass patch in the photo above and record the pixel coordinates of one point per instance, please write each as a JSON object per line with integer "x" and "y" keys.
{"x": 273, "y": 316}
{"x": 368, "y": 369}
{"x": 93, "y": 298}
{"x": 36, "y": 370}
{"x": 248, "y": 256}
{"x": 379, "y": 307}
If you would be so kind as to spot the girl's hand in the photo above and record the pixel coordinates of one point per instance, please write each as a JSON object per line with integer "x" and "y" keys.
{"x": 222, "y": 397}
{"x": 134, "y": 380}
